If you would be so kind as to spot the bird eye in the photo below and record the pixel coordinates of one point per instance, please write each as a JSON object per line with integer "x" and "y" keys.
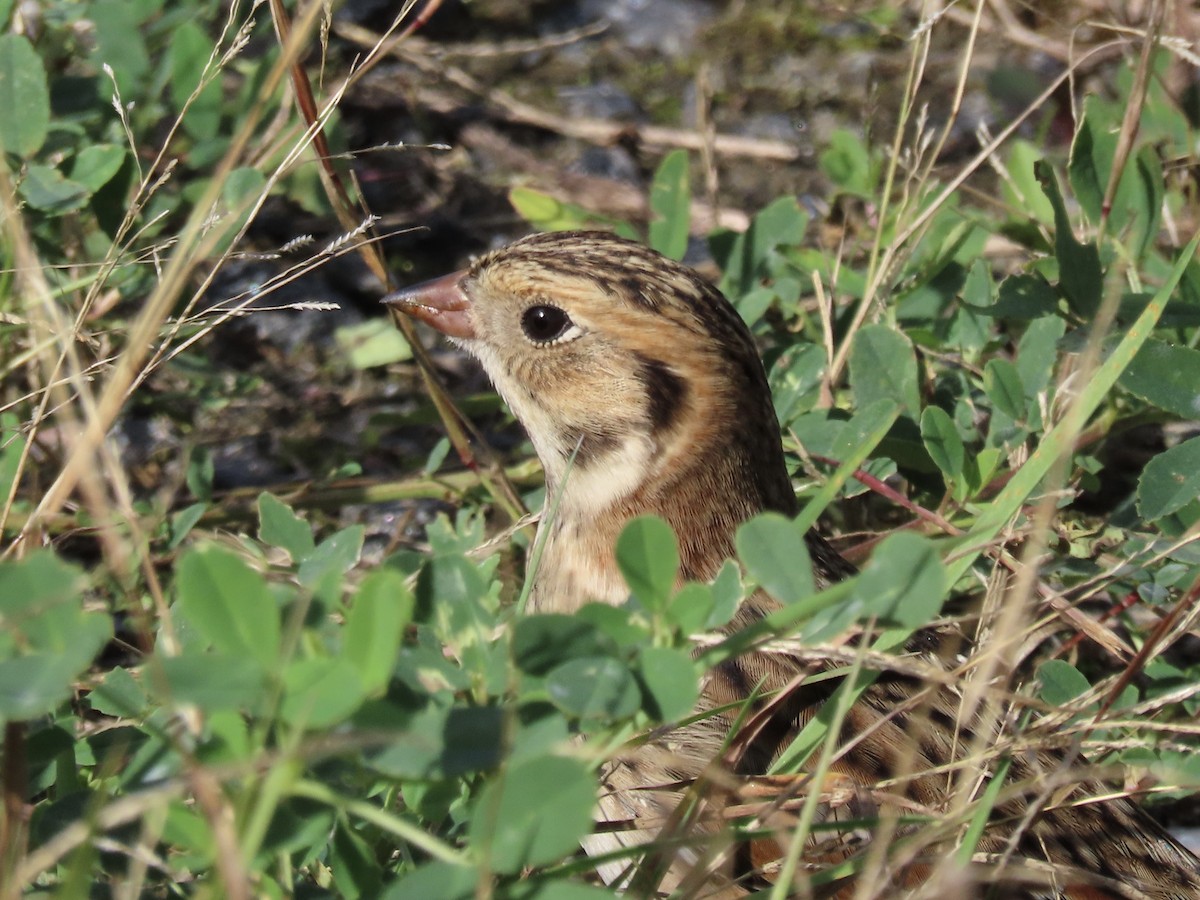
{"x": 543, "y": 324}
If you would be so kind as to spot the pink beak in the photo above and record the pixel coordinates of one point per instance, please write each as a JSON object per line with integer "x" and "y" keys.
{"x": 441, "y": 303}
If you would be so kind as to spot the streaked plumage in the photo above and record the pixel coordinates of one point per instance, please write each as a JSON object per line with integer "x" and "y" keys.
{"x": 632, "y": 362}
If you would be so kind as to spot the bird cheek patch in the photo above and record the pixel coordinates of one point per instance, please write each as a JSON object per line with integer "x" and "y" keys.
{"x": 595, "y": 443}
{"x": 666, "y": 392}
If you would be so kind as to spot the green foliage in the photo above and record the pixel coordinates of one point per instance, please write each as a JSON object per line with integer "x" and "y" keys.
{"x": 670, "y": 206}
{"x": 1171, "y": 481}
{"x": 943, "y": 442}
{"x": 1166, "y": 376}
{"x": 375, "y": 342}
{"x": 518, "y": 823}
{"x": 773, "y": 551}
{"x": 848, "y": 164}
{"x": 904, "y": 583}
{"x": 24, "y": 94}
{"x": 546, "y": 213}
{"x": 760, "y": 254}
{"x": 670, "y": 202}
{"x": 649, "y": 559}
{"x": 884, "y": 367}
{"x": 47, "y": 639}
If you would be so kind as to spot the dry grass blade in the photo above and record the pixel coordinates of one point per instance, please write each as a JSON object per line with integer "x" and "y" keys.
{"x": 1133, "y": 110}
{"x": 195, "y": 240}
{"x": 470, "y": 446}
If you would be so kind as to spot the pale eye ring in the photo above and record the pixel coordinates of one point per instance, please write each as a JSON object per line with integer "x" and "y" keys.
{"x": 545, "y": 324}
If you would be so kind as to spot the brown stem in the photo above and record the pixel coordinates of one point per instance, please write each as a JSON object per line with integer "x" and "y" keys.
{"x": 13, "y": 825}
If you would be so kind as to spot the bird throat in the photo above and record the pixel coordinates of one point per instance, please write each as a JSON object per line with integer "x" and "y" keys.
{"x": 703, "y": 492}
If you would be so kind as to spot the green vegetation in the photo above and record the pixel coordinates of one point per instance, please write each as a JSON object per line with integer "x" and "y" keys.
{"x": 200, "y": 701}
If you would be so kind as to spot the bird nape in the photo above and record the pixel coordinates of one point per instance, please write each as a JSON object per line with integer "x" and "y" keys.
{"x": 642, "y": 392}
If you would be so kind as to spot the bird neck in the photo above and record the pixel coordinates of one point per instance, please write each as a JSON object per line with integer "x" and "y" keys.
{"x": 705, "y": 482}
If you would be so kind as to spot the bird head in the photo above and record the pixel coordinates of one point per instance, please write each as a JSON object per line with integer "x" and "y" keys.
{"x": 638, "y": 383}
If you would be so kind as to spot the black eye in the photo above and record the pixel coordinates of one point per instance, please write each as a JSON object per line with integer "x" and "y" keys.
{"x": 543, "y": 324}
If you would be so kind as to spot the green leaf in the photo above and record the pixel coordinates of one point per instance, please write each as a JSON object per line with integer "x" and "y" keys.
{"x": 184, "y": 521}
{"x": 375, "y": 623}
{"x": 1087, "y": 172}
{"x": 119, "y": 43}
{"x": 541, "y": 642}
{"x": 435, "y": 743}
{"x": 444, "y": 880}
{"x": 120, "y": 694}
{"x": 670, "y": 201}
{"x": 451, "y": 586}
{"x": 796, "y": 380}
{"x": 320, "y": 692}
{"x": 546, "y": 213}
{"x": 6, "y": 7}
{"x": 96, "y": 165}
{"x": 356, "y": 872}
{"x": 280, "y": 527}
{"x": 1023, "y": 296}
{"x": 978, "y": 290}
{"x": 568, "y": 890}
{"x": 649, "y": 559}
{"x": 772, "y": 549}
{"x": 748, "y": 257}
{"x": 336, "y": 554}
{"x": 1061, "y": 682}
{"x": 594, "y": 687}
{"x": 187, "y": 830}
{"x": 199, "y": 474}
{"x": 1137, "y": 203}
{"x": 375, "y": 342}
{"x": 691, "y": 608}
{"x": 229, "y": 604}
{"x": 24, "y": 97}
{"x": 904, "y": 582}
{"x": 537, "y": 208}
{"x": 851, "y": 443}
{"x": 1142, "y": 208}
{"x": 1166, "y": 375}
{"x": 34, "y": 685}
{"x": 943, "y": 442}
{"x": 1022, "y": 190}
{"x": 239, "y": 194}
{"x": 1079, "y": 269}
{"x": 534, "y": 813}
{"x": 1037, "y": 353}
{"x": 847, "y": 163}
{"x": 437, "y": 456}
{"x": 46, "y": 638}
{"x": 669, "y": 683}
{"x": 777, "y": 226}
{"x": 214, "y": 681}
{"x": 303, "y": 827}
{"x": 44, "y": 188}
{"x": 190, "y": 53}
{"x": 12, "y": 447}
{"x": 1170, "y": 481}
{"x": 1002, "y": 383}
{"x": 37, "y": 582}
{"x": 727, "y": 593}
{"x": 884, "y": 366}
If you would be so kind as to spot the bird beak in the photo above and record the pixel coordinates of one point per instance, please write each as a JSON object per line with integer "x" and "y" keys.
{"x": 441, "y": 303}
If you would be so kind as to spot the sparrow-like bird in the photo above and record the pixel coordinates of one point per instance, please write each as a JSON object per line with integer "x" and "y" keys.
{"x": 643, "y": 392}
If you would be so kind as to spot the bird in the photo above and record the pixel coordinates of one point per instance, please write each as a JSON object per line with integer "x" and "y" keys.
{"x": 643, "y": 392}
